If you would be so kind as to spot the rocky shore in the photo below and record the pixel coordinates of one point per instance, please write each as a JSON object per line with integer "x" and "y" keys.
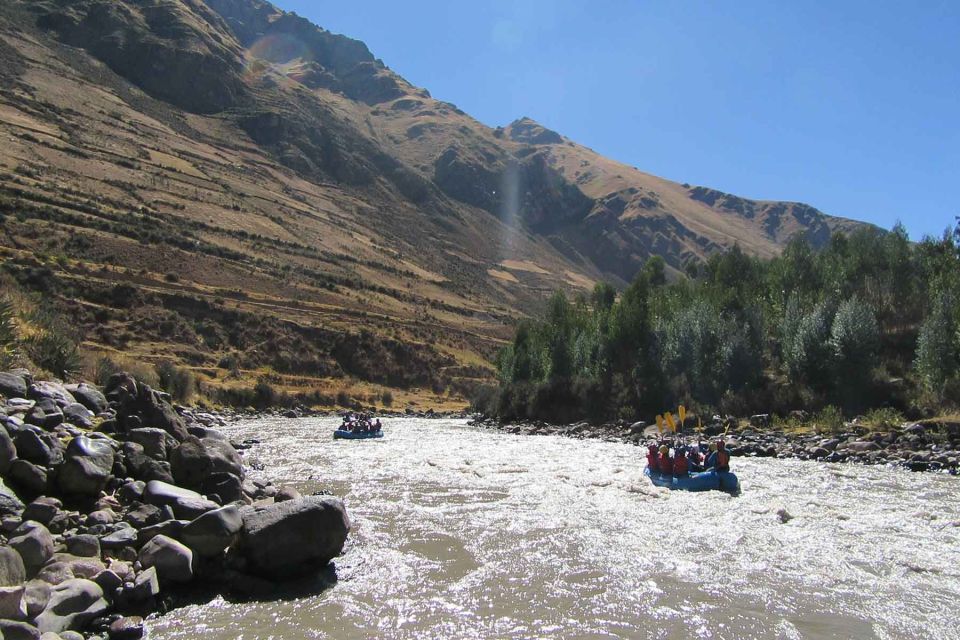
{"x": 114, "y": 502}
{"x": 927, "y": 446}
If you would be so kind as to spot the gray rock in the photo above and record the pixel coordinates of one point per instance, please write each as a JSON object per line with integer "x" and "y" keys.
{"x": 169, "y": 528}
{"x": 123, "y": 537}
{"x": 89, "y": 396}
{"x": 12, "y": 385}
{"x": 195, "y": 460}
{"x": 127, "y": 628}
{"x": 50, "y": 391}
{"x": 173, "y": 560}
{"x": 39, "y": 448}
{"x": 11, "y": 630}
{"x": 109, "y": 581}
{"x": 86, "y": 467}
{"x": 226, "y": 486}
{"x": 10, "y": 504}
{"x": 132, "y": 491}
{"x": 12, "y": 571}
{"x": 185, "y": 503}
{"x": 84, "y": 545}
{"x": 29, "y": 479}
{"x": 46, "y": 414}
{"x": 286, "y": 493}
{"x": 42, "y": 510}
{"x": 144, "y": 515}
{"x": 156, "y": 443}
{"x": 72, "y": 605}
{"x": 78, "y": 415}
{"x": 34, "y": 543}
{"x": 100, "y": 516}
{"x": 211, "y": 534}
{"x": 72, "y": 635}
{"x": 8, "y": 452}
{"x": 146, "y": 586}
{"x": 294, "y": 537}
{"x": 12, "y": 606}
{"x": 36, "y": 597}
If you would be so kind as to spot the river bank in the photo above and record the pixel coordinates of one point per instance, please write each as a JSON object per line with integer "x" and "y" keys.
{"x": 115, "y": 503}
{"x": 918, "y": 446}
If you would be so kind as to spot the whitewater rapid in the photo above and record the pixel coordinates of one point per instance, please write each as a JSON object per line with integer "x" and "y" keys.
{"x": 466, "y": 533}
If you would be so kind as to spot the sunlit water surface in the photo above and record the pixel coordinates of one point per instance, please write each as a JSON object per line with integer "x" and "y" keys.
{"x": 462, "y": 533}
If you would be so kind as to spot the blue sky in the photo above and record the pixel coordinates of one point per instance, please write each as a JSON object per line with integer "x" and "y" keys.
{"x": 852, "y": 107}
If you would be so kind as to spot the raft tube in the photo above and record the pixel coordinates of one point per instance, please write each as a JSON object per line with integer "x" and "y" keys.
{"x": 350, "y": 435}
{"x": 703, "y": 481}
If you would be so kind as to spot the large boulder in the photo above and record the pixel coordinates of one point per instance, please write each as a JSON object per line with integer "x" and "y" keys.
{"x": 173, "y": 560}
{"x": 185, "y": 503}
{"x": 12, "y": 385}
{"x": 196, "y": 459}
{"x": 143, "y": 467}
{"x": 38, "y": 447}
{"x": 78, "y": 415}
{"x": 156, "y": 443}
{"x": 152, "y": 410}
{"x": 12, "y": 571}
{"x": 13, "y": 630}
{"x": 34, "y": 543}
{"x": 10, "y": 504}
{"x": 294, "y": 537}
{"x": 86, "y": 467}
{"x": 42, "y": 510}
{"x": 12, "y": 606}
{"x": 29, "y": 479}
{"x": 89, "y": 396}
{"x": 211, "y": 534}
{"x": 50, "y": 390}
{"x": 46, "y": 414}
{"x": 72, "y": 605}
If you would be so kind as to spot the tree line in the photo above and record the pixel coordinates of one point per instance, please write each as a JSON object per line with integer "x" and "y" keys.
{"x": 868, "y": 321}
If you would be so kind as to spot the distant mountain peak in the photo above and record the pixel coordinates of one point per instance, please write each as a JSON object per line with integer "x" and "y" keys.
{"x": 528, "y": 131}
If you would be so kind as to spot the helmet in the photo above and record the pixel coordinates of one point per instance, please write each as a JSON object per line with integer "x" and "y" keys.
{"x": 664, "y": 450}
{"x": 713, "y": 446}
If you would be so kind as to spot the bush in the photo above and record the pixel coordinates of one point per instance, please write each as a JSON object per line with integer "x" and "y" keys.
{"x": 386, "y": 398}
{"x": 177, "y": 381}
{"x": 53, "y": 351}
{"x": 8, "y": 333}
{"x": 829, "y": 420}
{"x": 143, "y": 372}
{"x": 883, "y": 419}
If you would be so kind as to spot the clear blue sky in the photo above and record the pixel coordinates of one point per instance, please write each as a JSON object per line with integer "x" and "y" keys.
{"x": 852, "y": 107}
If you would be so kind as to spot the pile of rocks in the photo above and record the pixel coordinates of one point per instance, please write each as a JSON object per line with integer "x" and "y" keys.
{"x": 111, "y": 499}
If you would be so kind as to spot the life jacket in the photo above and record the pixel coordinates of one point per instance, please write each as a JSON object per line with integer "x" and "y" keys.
{"x": 666, "y": 464}
{"x": 723, "y": 460}
{"x": 680, "y": 466}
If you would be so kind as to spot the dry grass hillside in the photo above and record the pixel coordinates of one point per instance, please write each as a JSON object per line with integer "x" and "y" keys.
{"x": 231, "y": 188}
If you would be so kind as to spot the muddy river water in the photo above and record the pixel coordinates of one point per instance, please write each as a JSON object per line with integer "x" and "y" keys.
{"x": 465, "y": 533}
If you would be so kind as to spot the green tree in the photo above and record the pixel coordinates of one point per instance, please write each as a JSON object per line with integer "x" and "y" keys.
{"x": 937, "y": 355}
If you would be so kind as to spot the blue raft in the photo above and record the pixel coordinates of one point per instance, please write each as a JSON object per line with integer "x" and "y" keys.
{"x": 703, "y": 481}
{"x": 350, "y": 435}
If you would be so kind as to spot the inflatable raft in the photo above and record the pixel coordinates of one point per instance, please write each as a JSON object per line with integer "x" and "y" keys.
{"x": 350, "y": 435}
{"x": 703, "y": 481}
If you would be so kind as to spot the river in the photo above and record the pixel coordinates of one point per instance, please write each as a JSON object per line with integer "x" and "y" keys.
{"x": 466, "y": 533}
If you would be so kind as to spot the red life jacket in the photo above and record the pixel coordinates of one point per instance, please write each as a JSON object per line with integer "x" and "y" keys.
{"x": 652, "y": 461}
{"x": 680, "y": 466}
{"x": 723, "y": 460}
{"x": 666, "y": 464}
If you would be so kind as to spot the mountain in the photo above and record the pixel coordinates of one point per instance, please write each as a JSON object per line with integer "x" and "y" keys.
{"x": 221, "y": 182}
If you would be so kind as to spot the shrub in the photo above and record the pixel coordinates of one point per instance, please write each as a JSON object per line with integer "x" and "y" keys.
{"x": 51, "y": 349}
{"x": 387, "y": 398}
{"x": 8, "y": 333}
{"x": 177, "y": 381}
{"x": 883, "y": 419}
{"x": 829, "y": 420}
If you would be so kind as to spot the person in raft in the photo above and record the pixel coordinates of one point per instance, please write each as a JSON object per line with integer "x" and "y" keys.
{"x": 687, "y": 460}
{"x": 719, "y": 457}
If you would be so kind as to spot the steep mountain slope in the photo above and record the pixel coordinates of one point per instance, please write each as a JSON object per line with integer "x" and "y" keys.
{"x": 220, "y": 180}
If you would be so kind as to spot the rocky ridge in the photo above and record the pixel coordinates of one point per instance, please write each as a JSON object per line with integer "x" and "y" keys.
{"x": 112, "y": 500}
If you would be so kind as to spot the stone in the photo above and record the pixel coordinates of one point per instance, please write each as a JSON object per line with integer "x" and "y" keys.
{"x": 127, "y": 628}
{"x": 86, "y": 467}
{"x": 132, "y": 491}
{"x": 143, "y": 467}
{"x": 39, "y": 448}
{"x": 156, "y": 443}
{"x": 50, "y": 391}
{"x": 11, "y": 630}
{"x": 45, "y": 414}
{"x": 294, "y": 537}
{"x": 109, "y": 581}
{"x": 153, "y": 410}
{"x": 36, "y": 596}
{"x": 123, "y": 537}
{"x": 144, "y": 515}
{"x": 42, "y": 510}
{"x": 12, "y": 385}
{"x": 146, "y": 586}
{"x": 29, "y": 479}
{"x": 226, "y": 486}
{"x": 12, "y": 606}
{"x": 169, "y": 528}
{"x": 79, "y": 415}
{"x": 195, "y": 460}
{"x": 173, "y": 560}
{"x": 185, "y": 503}
{"x": 211, "y": 534}
{"x": 10, "y": 503}
{"x": 89, "y": 396}
{"x": 34, "y": 543}
{"x": 100, "y": 516}
{"x": 12, "y": 571}
{"x": 8, "y": 451}
{"x": 72, "y": 605}
{"x": 121, "y": 387}
{"x": 286, "y": 493}
{"x": 84, "y": 545}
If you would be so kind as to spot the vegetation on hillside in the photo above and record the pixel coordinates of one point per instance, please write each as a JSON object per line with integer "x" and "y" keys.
{"x": 870, "y": 321}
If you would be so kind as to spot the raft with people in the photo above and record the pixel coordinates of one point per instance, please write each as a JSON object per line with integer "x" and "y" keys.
{"x": 358, "y": 427}
{"x": 691, "y": 468}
